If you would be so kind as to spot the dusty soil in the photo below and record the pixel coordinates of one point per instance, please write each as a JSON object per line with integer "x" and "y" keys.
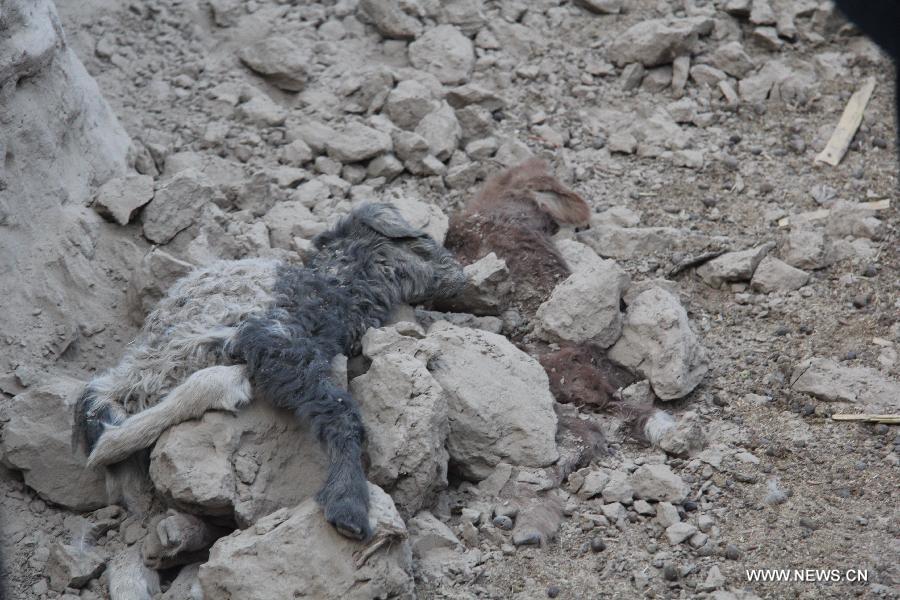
{"x": 162, "y": 63}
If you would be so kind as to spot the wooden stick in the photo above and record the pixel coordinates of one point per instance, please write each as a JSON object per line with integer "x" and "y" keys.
{"x": 846, "y": 128}
{"x": 886, "y": 419}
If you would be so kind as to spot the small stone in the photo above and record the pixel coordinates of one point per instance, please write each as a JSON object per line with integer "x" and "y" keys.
{"x": 357, "y": 142}
{"x": 622, "y": 142}
{"x": 732, "y": 552}
{"x": 503, "y": 522}
{"x": 733, "y": 266}
{"x": 670, "y": 572}
{"x": 408, "y": 103}
{"x": 389, "y": 19}
{"x": 632, "y": 76}
{"x": 597, "y": 545}
{"x": 667, "y": 514}
{"x": 679, "y": 532}
{"x": 642, "y": 507}
{"x": 658, "y": 482}
{"x": 553, "y": 591}
{"x": 72, "y": 567}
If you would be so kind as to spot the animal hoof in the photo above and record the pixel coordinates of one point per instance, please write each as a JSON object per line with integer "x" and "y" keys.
{"x": 349, "y": 519}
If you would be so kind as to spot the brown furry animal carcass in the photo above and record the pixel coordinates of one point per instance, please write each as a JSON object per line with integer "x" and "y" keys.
{"x": 514, "y": 216}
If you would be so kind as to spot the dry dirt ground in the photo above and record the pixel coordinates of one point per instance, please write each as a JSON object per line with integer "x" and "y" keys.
{"x": 164, "y": 65}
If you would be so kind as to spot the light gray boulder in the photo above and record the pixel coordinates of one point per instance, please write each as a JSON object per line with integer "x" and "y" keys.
{"x": 120, "y": 198}
{"x": 37, "y": 440}
{"x": 243, "y": 465}
{"x": 657, "y": 342}
{"x": 773, "y": 275}
{"x": 585, "y": 307}
{"x": 733, "y": 266}
{"x": 658, "y": 482}
{"x": 501, "y": 408}
{"x": 405, "y": 414}
{"x": 657, "y": 41}
{"x": 177, "y": 205}
{"x": 279, "y": 61}
{"x": 295, "y": 552}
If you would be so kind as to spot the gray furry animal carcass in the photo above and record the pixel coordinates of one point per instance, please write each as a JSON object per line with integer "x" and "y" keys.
{"x": 262, "y": 329}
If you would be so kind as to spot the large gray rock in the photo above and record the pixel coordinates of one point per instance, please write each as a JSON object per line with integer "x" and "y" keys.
{"x": 37, "y": 440}
{"x": 657, "y": 41}
{"x": 244, "y": 465}
{"x": 773, "y": 275}
{"x": 828, "y": 380}
{"x": 658, "y": 482}
{"x": 585, "y": 307}
{"x": 445, "y": 53}
{"x": 279, "y": 61}
{"x": 501, "y": 408}
{"x": 658, "y": 343}
{"x": 295, "y": 552}
{"x": 177, "y": 205}
{"x": 733, "y": 266}
{"x": 405, "y": 414}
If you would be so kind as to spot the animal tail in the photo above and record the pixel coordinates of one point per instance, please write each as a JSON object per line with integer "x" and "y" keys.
{"x": 533, "y": 180}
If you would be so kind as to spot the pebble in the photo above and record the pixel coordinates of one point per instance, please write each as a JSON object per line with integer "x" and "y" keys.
{"x": 553, "y": 591}
{"x": 732, "y": 552}
{"x": 598, "y": 545}
{"x": 670, "y": 572}
{"x": 503, "y": 522}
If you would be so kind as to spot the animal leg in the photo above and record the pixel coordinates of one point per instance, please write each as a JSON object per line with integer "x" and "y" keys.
{"x": 213, "y": 388}
{"x": 345, "y": 495}
{"x": 178, "y": 539}
{"x": 129, "y": 579}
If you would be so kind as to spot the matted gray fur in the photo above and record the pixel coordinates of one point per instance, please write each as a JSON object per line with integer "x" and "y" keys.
{"x": 240, "y": 330}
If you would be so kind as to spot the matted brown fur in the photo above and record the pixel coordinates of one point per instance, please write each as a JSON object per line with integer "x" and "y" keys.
{"x": 583, "y": 375}
{"x": 514, "y": 216}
